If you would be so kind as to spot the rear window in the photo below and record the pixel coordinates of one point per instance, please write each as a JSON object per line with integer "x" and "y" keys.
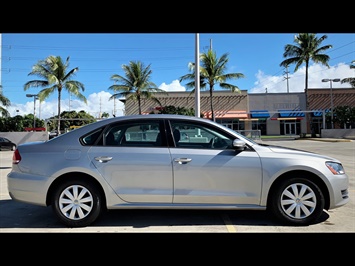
{"x": 93, "y": 138}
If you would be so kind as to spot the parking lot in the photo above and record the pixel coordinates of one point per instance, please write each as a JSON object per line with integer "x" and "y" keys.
{"x": 20, "y": 217}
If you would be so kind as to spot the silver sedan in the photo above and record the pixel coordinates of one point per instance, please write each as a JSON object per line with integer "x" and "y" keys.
{"x": 172, "y": 162}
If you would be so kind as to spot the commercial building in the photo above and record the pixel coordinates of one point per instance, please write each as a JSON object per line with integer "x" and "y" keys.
{"x": 271, "y": 113}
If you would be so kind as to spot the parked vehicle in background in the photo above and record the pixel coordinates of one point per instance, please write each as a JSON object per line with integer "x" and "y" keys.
{"x": 172, "y": 162}
{"x": 6, "y": 144}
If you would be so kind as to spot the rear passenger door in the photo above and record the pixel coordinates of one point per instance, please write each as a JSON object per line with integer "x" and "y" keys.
{"x": 135, "y": 160}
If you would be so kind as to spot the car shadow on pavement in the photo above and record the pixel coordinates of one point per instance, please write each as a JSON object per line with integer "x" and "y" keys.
{"x": 21, "y": 215}
{"x": 147, "y": 218}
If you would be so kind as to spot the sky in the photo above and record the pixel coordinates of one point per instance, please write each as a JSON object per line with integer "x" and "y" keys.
{"x": 100, "y": 55}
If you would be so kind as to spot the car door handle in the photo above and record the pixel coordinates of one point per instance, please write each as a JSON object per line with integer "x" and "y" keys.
{"x": 182, "y": 160}
{"x": 103, "y": 159}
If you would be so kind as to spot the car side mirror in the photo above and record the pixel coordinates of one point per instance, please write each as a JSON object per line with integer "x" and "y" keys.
{"x": 239, "y": 145}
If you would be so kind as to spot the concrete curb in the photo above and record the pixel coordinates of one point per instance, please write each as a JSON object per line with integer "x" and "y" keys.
{"x": 330, "y": 139}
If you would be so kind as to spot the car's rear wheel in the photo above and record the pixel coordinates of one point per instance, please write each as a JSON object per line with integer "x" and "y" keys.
{"x": 297, "y": 201}
{"x": 77, "y": 203}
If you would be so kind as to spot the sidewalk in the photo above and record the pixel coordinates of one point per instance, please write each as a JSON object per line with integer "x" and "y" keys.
{"x": 330, "y": 139}
{"x": 297, "y": 137}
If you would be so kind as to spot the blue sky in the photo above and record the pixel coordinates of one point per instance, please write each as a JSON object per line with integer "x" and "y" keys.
{"x": 99, "y": 56}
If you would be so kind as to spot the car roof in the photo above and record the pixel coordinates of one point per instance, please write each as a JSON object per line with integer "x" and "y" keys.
{"x": 147, "y": 117}
{"x": 89, "y": 127}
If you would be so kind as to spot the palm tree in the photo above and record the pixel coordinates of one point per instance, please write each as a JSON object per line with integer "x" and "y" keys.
{"x": 212, "y": 72}
{"x": 307, "y": 47}
{"x": 55, "y": 77}
{"x": 136, "y": 84}
{"x": 350, "y": 80}
{"x": 5, "y": 102}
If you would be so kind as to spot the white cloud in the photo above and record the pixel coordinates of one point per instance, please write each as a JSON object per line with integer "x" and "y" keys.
{"x": 296, "y": 80}
{"x": 173, "y": 86}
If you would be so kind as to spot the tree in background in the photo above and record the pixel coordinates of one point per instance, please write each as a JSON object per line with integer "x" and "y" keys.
{"x": 136, "y": 84}
{"x": 212, "y": 72}
{"x": 55, "y": 77}
{"x": 105, "y": 115}
{"x": 350, "y": 80}
{"x": 307, "y": 47}
{"x": 5, "y": 102}
{"x": 70, "y": 118}
{"x": 344, "y": 116}
{"x": 170, "y": 109}
{"x": 18, "y": 123}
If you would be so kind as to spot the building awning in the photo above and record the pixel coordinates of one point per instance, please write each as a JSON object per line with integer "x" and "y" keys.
{"x": 226, "y": 114}
{"x": 318, "y": 113}
{"x": 290, "y": 113}
{"x": 259, "y": 114}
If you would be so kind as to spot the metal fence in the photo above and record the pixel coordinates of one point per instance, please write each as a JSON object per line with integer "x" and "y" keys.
{"x": 251, "y": 134}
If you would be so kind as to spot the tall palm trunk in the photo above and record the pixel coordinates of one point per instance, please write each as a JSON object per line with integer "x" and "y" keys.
{"x": 211, "y": 103}
{"x": 139, "y": 105}
{"x": 59, "y": 97}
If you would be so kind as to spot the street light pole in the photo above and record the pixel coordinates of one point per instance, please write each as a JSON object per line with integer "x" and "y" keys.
{"x": 331, "y": 97}
{"x": 35, "y": 97}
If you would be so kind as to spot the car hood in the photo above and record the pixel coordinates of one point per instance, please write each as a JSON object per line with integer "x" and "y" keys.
{"x": 293, "y": 151}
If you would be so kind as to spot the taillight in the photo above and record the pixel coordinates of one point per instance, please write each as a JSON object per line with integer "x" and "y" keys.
{"x": 16, "y": 157}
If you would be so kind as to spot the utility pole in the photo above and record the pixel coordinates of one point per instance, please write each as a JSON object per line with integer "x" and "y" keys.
{"x": 114, "y": 107}
{"x": 100, "y": 109}
{"x": 197, "y": 76}
{"x": 69, "y": 100}
{"x": 287, "y": 78}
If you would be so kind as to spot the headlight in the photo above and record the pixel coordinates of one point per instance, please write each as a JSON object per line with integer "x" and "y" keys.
{"x": 335, "y": 168}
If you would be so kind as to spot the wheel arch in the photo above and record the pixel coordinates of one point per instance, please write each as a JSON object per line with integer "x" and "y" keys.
{"x": 77, "y": 176}
{"x": 305, "y": 174}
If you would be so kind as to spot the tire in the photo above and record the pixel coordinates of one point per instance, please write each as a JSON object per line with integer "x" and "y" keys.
{"x": 297, "y": 201}
{"x": 77, "y": 203}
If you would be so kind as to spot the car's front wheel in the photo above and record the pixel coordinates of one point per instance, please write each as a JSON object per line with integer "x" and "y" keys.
{"x": 77, "y": 203}
{"x": 297, "y": 201}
